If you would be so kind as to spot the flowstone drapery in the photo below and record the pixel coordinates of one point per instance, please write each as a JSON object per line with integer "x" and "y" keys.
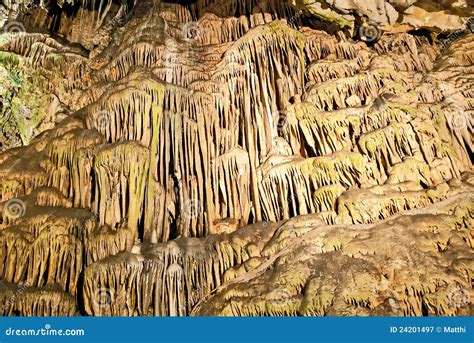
{"x": 239, "y": 158}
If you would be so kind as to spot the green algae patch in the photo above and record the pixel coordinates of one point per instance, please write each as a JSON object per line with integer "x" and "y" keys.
{"x": 23, "y": 101}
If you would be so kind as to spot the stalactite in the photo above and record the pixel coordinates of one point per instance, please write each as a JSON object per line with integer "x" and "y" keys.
{"x": 121, "y": 171}
{"x": 286, "y": 190}
{"x": 24, "y": 300}
{"x": 390, "y": 144}
{"x": 333, "y": 95}
{"x": 325, "y": 70}
{"x": 45, "y": 249}
{"x": 167, "y": 278}
{"x": 368, "y": 206}
{"x": 232, "y": 182}
{"x": 416, "y": 54}
{"x": 61, "y": 151}
{"x": 223, "y": 157}
{"x": 306, "y": 279}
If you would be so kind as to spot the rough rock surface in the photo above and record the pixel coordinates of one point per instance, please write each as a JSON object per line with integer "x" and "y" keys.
{"x": 239, "y": 158}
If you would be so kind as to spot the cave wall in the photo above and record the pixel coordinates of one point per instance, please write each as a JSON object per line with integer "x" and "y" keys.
{"x": 201, "y": 146}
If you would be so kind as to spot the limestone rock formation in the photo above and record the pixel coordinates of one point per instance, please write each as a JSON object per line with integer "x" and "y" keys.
{"x": 241, "y": 157}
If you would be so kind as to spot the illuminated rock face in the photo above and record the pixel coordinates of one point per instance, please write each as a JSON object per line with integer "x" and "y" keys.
{"x": 239, "y": 158}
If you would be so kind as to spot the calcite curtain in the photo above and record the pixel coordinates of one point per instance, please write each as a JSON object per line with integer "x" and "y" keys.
{"x": 237, "y": 157}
